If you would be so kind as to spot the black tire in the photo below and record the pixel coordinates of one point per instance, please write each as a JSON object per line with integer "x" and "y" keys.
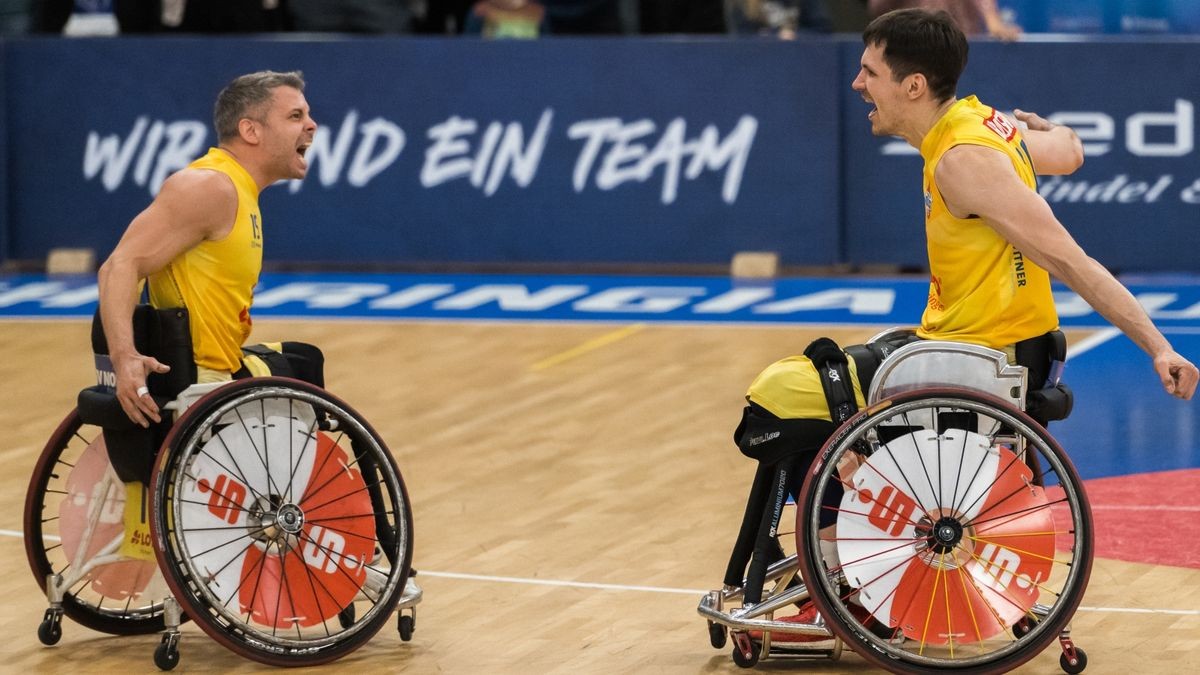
{"x": 49, "y": 632}
{"x": 297, "y": 483}
{"x": 746, "y": 660}
{"x": 166, "y": 657}
{"x": 43, "y": 544}
{"x": 1077, "y": 667}
{"x": 965, "y": 508}
{"x": 406, "y": 625}
{"x": 717, "y": 636}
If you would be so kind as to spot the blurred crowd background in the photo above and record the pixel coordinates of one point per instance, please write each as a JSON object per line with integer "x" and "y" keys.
{"x": 525, "y": 19}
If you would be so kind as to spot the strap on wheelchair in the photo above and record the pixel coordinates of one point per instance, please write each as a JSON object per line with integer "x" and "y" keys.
{"x": 276, "y": 363}
{"x": 298, "y": 360}
{"x": 832, "y": 365}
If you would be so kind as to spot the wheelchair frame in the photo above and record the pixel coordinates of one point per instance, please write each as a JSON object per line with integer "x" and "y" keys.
{"x": 929, "y": 379}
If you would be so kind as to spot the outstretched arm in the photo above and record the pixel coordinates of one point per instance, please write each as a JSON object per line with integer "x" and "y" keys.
{"x": 979, "y": 180}
{"x": 1054, "y": 148}
{"x": 193, "y": 205}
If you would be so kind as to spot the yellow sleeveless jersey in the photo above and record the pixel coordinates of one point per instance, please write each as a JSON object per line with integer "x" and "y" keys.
{"x": 982, "y": 290}
{"x": 215, "y": 280}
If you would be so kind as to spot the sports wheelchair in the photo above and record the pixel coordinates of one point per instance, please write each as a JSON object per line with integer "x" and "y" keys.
{"x": 279, "y": 521}
{"x": 961, "y": 537}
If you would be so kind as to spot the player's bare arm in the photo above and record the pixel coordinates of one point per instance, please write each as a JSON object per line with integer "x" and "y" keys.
{"x": 192, "y": 206}
{"x": 981, "y": 181}
{"x": 1054, "y": 148}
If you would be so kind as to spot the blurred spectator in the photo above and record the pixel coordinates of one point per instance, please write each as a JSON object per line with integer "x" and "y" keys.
{"x": 682, "y": 16}
{"x": 499, "y": 19}
{"x": 350, "y": 16}
{"x": 229, "y": 16}
{"x": 150, "y": 16}
{"x": 15, "y": 17}
{"x": 782, "y": 18}
{"x": 50, "y": 16}
{"x": 582, "y": 17}
{"x": 444, "y": 16}
{"x": 974, "y": 17}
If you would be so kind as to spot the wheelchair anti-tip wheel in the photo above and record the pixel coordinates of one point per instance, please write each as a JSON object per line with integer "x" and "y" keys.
{"x": 281, "y": 522}
{"x": 73, "y": 526}
{"x": 963, "y": 535}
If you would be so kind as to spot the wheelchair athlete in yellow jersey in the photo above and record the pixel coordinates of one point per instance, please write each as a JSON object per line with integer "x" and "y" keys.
{"x": 205, "y": 479}
{"x": 940, "y": 527}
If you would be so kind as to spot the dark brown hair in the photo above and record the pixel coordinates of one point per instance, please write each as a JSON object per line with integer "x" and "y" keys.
{"x": 921, "y": 41}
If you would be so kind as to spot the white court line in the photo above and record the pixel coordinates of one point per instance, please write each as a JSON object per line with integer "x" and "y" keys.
{"x": 680, "y": 591}
{"x": 555, "y": 582}
{"x": 1092, "y": 341}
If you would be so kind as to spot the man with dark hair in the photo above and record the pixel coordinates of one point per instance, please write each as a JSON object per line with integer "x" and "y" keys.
{"x": 993, "y": 243}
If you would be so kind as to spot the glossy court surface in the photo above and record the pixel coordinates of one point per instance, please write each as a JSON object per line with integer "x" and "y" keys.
{"x": 566, "y": 445}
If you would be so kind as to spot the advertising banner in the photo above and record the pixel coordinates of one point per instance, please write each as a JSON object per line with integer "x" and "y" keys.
{"x": 603, "y": 151}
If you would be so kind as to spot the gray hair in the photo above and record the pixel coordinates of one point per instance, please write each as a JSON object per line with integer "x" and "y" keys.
{"x": 245, "y": 96}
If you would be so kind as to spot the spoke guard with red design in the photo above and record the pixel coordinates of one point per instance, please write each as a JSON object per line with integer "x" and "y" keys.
{"x": 945, "y": 536}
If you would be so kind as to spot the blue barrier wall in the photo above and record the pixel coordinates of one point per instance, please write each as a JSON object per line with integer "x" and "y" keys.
{"x": 601, "y": 151}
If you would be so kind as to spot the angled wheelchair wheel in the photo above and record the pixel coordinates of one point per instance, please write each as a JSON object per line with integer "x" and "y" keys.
{"x": 963, "y": 535}
{"x": 281, "y": 522}
{"x": 73, "y": 525}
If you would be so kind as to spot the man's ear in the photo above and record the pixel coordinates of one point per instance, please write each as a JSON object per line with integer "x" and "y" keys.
{"x": 249, "y": 131}
{"x": 915, "y": 85}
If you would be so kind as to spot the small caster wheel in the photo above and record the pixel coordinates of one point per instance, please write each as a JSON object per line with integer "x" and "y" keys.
{"x": 166, "y": 657}
{"x": 50, "y": 630}
{"x": 716, "y": 635}
{"x": 1022, "y": 628}
{"x": 346, "y": 616}
{"x": 748, "y": 658}
{"x": 1074, "y": 668}
{"x": 406, "y": 625}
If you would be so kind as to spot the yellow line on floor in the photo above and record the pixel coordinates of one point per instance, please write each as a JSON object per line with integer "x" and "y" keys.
{"x": 590, "y": 345}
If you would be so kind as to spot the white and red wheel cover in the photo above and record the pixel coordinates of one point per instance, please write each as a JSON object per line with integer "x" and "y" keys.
{"x": 1006, "y": 552}
{"x": 91, "y": 486}
{"x": 314, "y": 577}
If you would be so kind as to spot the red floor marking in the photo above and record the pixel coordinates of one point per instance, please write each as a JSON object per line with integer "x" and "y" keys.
{"x": 1148, "y": 517}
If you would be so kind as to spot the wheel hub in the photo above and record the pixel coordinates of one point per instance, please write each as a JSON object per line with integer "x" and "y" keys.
{"x": 943, "y": 540}
{"x": 947, "y": 532}
{"x": 290, "y": 518}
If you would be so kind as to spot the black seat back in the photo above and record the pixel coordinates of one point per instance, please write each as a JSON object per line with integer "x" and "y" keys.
{"x": 165, "y": 335}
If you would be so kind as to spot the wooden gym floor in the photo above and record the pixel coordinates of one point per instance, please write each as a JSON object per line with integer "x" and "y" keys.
{"x": 575, "y": 490}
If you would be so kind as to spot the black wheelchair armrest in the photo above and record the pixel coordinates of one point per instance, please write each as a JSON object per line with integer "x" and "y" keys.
{"x": 100, "y": 407}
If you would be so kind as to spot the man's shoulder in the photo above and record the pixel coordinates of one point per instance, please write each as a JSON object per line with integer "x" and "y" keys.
{"x": 198, "y": 182}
